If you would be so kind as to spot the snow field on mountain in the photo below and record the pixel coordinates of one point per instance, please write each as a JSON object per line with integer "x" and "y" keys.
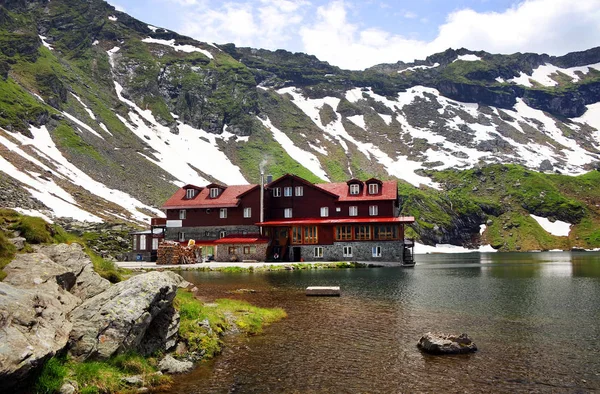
{"x": 304, "y": 158}
{"x": 557, "y": 228}
{"x": 542, "y": 74}
{"x": 399, "y": 167}
{"x": 43, "y": 144}
{"x": 176, "y": 153}
{"x": 447, "y": 248}
{"x": 418, "y": 68}
{"x": 180, "y": 48}
{"x": 592, "y": 118}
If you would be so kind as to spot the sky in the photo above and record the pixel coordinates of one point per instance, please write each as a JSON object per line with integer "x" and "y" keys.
{"x": 358, "y": 34}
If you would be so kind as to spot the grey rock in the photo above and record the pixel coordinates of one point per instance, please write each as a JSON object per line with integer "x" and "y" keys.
{"x": 67, "y": 388}
{"x": 33, "y": 328}
{"x": 446, "y": 344}
{"x": 135, "y": 380}
{"x": 119, "y": 319}
{"x": 19, "y": 242}
{"x": 171, "y": 365}
{"x": 88, "y": 283}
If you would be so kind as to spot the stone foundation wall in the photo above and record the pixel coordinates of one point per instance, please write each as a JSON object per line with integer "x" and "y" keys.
{"x": 208, "y": 233}
{"x": 223, "y": 255}
{"x": 361, "y": 251}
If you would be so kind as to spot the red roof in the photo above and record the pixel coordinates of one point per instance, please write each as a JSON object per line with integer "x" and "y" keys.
{"x": 242, "y": 240}
{"x": 228, "y": 198}
{"x": 376, "y": 220}
{"x": 389, "y": 191}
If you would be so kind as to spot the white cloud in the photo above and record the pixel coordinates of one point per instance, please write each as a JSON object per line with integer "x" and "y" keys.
{"x": 550, "y": 26}
{"x": 264, "y": 24}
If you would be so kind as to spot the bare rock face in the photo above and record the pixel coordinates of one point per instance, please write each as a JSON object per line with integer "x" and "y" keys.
{"x": 88, "y": 283}
{"x": 119, "y": 319}
{"x": 446, "y": 344}
{"x": 33, "y": 328}
{"x": 171, "y": 365}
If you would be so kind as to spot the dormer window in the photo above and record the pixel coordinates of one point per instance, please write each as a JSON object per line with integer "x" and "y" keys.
{"x": 190, "y": 193}
{"x": 354, "y": 188}
{"x": 214, "y": 192}
{"x": 373, "y": 188}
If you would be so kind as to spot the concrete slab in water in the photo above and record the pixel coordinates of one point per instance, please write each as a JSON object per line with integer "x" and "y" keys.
{"x": 323, "y": 291}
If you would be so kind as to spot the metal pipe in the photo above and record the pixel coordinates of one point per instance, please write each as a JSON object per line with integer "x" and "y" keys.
{"x": 262, "y": 199}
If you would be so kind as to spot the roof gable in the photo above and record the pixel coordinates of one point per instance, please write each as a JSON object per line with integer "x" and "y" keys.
{"x": 389, "y": 191}
{"x": 300, "y": 180}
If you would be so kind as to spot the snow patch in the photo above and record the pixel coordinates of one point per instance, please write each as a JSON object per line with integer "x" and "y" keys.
{"x": 467, "y": 58}
{"x": 500, "y": 79}
{"x": 96, "y": 42}
{"x": 153, "y": 28}
{"x": 88, "y": 110}
{"x": 386, "y": 118}
{"x": 358, "y": 120}
{"x": 80, "y": 123}
{"x": 111, "y": 56}
{"x": 418, "y": 68}
{"x": 305, "y": 159}
{"x": 447, "y": 248}
{"x": 180, "y": 48}
{"x": 558, "y": 228}
{"x": 522, "y": 79}
{"x": 592, "y": 118}
{"x": 44, "y": 43}
{"x": 112, "y": 18}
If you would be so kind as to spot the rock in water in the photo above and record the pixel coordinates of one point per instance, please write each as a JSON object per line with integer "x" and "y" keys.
{"x": 33, "y": 328}
{"x": 120, "y": 318}
{"x": 446, "y": 344}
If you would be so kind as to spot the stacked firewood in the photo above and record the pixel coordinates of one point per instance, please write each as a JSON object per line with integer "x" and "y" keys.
{"x": 172, "y": 253}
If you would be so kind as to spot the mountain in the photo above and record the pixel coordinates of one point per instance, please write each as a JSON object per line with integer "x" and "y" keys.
{"x": 103, "y": 116}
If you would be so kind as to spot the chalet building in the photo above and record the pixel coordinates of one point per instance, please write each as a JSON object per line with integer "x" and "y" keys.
{"x": 145, "y": 243}
{"x": 300, "y": 221}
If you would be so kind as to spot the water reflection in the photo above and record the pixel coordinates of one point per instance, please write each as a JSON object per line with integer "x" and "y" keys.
{"x": 534, "y": 316}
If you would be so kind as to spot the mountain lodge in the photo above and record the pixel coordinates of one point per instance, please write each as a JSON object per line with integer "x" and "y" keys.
{"x": 289, "y": 219}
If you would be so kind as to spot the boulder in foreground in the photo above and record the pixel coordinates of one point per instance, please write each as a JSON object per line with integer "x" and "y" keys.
{"x": 446, "y": 344}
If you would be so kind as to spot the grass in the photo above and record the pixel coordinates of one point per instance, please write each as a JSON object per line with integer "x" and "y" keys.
{"x": 100, "y": 376}
{"x": 202, "y": 325}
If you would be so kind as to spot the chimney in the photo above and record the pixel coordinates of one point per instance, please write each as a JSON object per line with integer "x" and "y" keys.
{"x": 262, "y": 199}
{"x": 269, "y": 178}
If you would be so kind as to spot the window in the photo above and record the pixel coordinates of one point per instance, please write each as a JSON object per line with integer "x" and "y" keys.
{"x": 324, "y": 212}
{"x": 362, "y": 232}
{"x": 373, "y": 188}
{"x": 135, "y": 242}
{"x": 296, "y": 235}
{"x": 318, "y": 253}
{"x": 277, "y": 192}
{"x": 373, "y": 210}
{"x": 223, "y": 213}
{"x": 287, "y": 191}
{"x": 142, "y": 242}
{"x": 287, "y": 213}
{"x": 181, "y": 237}
{"x": 233, "y": 250}
{"x": 338, "y": 209}
{"x": 214, "y": 192}
{"x": 154, "y": 243}
{"x": 347, "y": 251}
{"x": 343, "y": 233}
{"x": 190, "y": 193}
{"x": 182, "y": 214}
{"x": 249, "y": 249}
{"x": 353, "y": 211}
{"x": 354, "y": 188}
{"x": 207, "y": 233}
{"x": 299, "y": 191}
{"x": 247, "y": 212}
{"x": 311, "y": 235}
{"x": 385, "y": 232}
{"x": 222, "y": 234}
{"x": 376, "y": 250}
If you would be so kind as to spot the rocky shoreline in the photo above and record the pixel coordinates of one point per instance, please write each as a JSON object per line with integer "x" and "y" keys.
{"x": 53, "y": 304}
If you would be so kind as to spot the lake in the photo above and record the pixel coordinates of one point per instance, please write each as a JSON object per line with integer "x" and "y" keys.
{"x": 534, "y": 316}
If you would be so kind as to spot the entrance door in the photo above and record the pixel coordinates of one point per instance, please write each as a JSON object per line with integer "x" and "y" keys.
{"x": 297, "y": 253}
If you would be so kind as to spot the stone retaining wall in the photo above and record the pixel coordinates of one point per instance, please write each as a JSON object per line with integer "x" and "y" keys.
{"x": 361, "y": 251}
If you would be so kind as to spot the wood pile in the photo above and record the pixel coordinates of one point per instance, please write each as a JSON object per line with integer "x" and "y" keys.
{"x": 172, "y": 253}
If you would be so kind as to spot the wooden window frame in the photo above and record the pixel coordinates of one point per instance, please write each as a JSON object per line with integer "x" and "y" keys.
{"x": 342, "y": 233}
{"x": 223, "y": 213}
{"x": 318, "y": 252}
{"x": 310, "y": 235}
{"x": 287, "y": 191}
{"x": 353, "y": 208}
{"x": 324, "y": 211}
{"x": 376, "y": 251}
{"x": 190, "y": 193}
{"x": 299, "y": 189}
{"x": 347, "y": 251}
{"x": 354, "y": 189}
{"x": 287, "y": 213}
{"x": 385, "y": 232}
{"x": 247, "y": 212}
{"x": 182, "y": 214}
{"x": 276, "y": 192}
{"x": 143, "y": 242}
{"x": 297, "y": 235}
{"x": 373, "y": 188}
{"x": 214, "y": 192}
{"x": 362, "y": 232}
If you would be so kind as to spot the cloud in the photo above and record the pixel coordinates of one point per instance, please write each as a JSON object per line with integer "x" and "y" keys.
{"x": 550, "y": 26}
{"x": 267, "y": 24}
